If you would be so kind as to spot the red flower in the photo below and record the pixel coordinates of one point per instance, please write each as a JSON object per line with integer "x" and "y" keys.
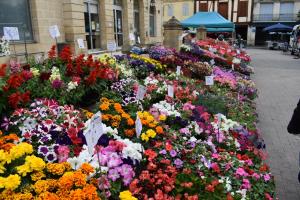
{"x": 229, "y": 197}
{"x": 72, "y": 133}
{"x": 150, "y": 154}
{"x": 52, "y": 52}
{"x": 26, "y": 75}
{"x": 45, "y": 76}
{"x": 3, "y": 70}
{"x": 15, "y": 81}
{"x": 215, "y": 167}
{"x": 14, "y": 99}
{"x": 66, "y": 54}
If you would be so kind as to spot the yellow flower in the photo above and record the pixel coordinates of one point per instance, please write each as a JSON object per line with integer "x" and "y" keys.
{"x": 126, "y": 195}
{"x": 37, "y": 176}
{"x": 57, "y": 168}
{"x": 151, "y": 133}
{"x": 19, "y": 151}
{"x": 162, "y": 117}
{"x": 144, "y": 137}
{"x": 11, "y": 182}
{"x": 104, "y": 106}
{"x": 32, "y": 163}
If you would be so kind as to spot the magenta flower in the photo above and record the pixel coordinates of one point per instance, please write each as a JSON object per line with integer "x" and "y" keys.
{"x": 114, "y": 160}
{"x": 241, "y": 172}
{"x": 56, "y": 84}
{"x": 113, "y": 174}
{"x": 246, "y": 184}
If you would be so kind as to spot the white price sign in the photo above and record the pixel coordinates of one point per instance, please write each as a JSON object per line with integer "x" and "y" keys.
{"x": 212, "y": 62}
{"x": 93, "y": 132}
{"x": 171, "y": 91}
{"x": 80, "y": 43}
{"x": 11, "y": 33}
{"x": 141, "y": 92}
{"x": 111, "y": 46}
{"x": 54, "y": 31}
{"x": 209, "y": 80}
{"x": 178, "y": 70}
{"x": 138, "y": 126}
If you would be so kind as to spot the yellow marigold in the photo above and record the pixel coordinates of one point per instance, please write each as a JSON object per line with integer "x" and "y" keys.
{"x": 89, "y": 115}
{"x": 162, "y": 117}
{"x": 86, "y": 168}
{"x": 21, "y": 196}
{"x": 48, "y": 196}
{"x": 126, "y": 195}
{"x": 19, "y": 151}
{"x": 37, "y": 176}
{"x": 115, "y": 124}
{"x": 32, "y": 163}
{"x": 11, "y": 182}
{"x": 55, "y": 168}
{"x": 144, "y": 137}
{"x": 151, "y": 133}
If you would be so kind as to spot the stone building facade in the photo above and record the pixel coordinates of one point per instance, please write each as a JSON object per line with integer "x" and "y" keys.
{"x": 96, "y": 22}
{"x": 181, "y": 9}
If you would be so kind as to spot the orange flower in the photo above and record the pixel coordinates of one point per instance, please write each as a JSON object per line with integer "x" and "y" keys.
{"x": 86, "y": 168}
{"x": 130, "y": 122}
{"x": 105, "y": 117}
{"x": 118, "y": 107}
{"x": 48, "y": 196}
{"x": 104, "y": 106}
{"x": 116, "y": 118}
{"x": 129, "y": 132}
{"x": 169, "y": 147}
{"x": 159, "y": 130}
{"x": 125, "y": 115}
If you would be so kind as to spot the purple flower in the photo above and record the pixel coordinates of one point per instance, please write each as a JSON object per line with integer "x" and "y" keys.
{"x": 127, "y": 173}
{"x": 51, "y": 157}
{"x": 173, "y": 153}
{"x": 178, "y": 163}
{"x": 114, "y": 160}
{"x": 5, "y": 123}
{"x": 43, "y": 150}
{"x": 56, "y": 84}
{"x": 164, "y": 152}
{"x": 113, "y": 174}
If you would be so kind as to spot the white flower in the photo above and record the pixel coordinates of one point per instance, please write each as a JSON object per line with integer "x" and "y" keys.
{"x": 35, "y": 71}
{"x": 166, "y": 108}
{"x": 72, "y": 85}
{"x": 54, "y": 74}
{"x": 243, "y": 192}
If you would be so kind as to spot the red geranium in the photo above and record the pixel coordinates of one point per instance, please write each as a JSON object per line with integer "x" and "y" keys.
{"x": 52, "y": 52}
{"x": 3, "y": 70}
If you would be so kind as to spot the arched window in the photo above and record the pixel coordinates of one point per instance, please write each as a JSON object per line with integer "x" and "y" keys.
{"x": 152, "y": 21}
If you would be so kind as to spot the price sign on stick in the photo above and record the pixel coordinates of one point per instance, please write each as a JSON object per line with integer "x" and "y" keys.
{"x": 212, "y": 62}
{"x": 209, "y": 80}
{"x": 111, "y": 46}
{"x": 178, "y": 70}
{"x": 141, "y": 92}
{"x": 232, "y": 67}
{"x": 138, "y": 126}
{"x": 171, "y": 91}
{"x": 93, "y": 132}
{"x": 54, "y": 31}
{"x": 11, "y": 33}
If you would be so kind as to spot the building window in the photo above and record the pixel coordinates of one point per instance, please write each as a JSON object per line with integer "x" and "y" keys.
{"x": 16, "y": 13}
{"x": 243, "y": 9}
{"x": 170, "y": 10}
{"x": 152, "y": 21}
{"x": 223, "y": 9}
{"x": 118, "y": 2}
{"x": 266, "y": 12}
{"x": 287, "y": 11}
{"x": 136, "y": 14}
{"x": 185, "y": 9}
{"x": 203, "y": 7}
{"x": 92, "y": 25}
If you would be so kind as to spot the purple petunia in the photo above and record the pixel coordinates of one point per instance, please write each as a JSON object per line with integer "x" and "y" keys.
{"x": 43, "y": 150}
{"x": 173, "y": 153}
{"x": 178, "y": 163}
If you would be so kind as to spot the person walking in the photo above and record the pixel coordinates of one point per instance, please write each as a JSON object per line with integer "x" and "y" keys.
{"x": 294, "y": 126}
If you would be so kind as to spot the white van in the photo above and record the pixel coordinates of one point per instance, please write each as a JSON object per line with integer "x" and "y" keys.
{"x": 295, "y": 40}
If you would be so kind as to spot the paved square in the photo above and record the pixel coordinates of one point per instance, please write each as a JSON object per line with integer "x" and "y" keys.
{"x": 277, "y": 76}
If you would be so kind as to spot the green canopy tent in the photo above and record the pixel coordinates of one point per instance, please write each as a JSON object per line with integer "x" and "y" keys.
{"x": 212, "y": 21}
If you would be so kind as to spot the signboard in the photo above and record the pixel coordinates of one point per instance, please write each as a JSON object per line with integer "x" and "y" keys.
{"x": 178, "y": 70}
{"x": 171, "y": 91}
{"x": 209, "y": 80}
{"x": 80, "y": 43}
{"x": 54, "y": 31}
{"x": 11, "y": 33}
{"x": 138, "y": 126}
{"x": 111, "y": 46}
{"x": 141, "y": 92}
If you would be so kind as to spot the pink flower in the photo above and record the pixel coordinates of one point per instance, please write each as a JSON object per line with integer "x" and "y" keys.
{"x": 267, "y": 177}
{"x": 113, "y": 174}
{"x": 256, "y": 176}
{"x": 246, "y": 184}
{"x": 268, "y": 196}
{"x": 249, "y": 162}
{"x": 241, "y": 172}
{"x": 184, "y": 131}
{"x": 188, "y": 106}
{"x": 63, "y": 153}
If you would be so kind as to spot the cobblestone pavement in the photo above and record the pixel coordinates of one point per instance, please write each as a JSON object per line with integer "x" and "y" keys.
{"x": 277, "y": 76}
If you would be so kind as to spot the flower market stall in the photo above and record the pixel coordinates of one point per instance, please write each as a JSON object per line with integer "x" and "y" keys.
{"x": 164, "y": 126}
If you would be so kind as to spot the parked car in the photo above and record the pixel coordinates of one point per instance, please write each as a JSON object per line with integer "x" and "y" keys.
{"x": 295, "y": 40}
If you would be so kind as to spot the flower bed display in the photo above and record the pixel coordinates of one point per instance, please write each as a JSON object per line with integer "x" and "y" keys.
{"x": 133, "y": 127}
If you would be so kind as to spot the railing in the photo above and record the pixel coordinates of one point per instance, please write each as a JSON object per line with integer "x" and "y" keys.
{"x": 277, "y": 17}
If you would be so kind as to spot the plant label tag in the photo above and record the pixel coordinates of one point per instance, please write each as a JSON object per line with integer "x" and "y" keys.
{"x": 11, "y": 33}
{"x": 232, "y": 67}
{"x": 80, "y": 43}
{"x": 178, "y": 70}
{"x": 209, "y": 80}
{"x": 171, "y": 91}
{"x": 94, "y": 132}
{"x": 138, "y": 126}
{"x": 54, "y": 31}
{"x": 212, "y": 62}
{"x": 141, "y": 92}
{"x": 238, "y": 52}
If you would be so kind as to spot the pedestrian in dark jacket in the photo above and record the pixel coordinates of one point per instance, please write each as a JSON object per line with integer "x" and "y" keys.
{"x": 294, "y": 126}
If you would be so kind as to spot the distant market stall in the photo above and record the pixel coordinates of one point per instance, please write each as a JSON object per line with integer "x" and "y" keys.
{"x": 212, "y": 21}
